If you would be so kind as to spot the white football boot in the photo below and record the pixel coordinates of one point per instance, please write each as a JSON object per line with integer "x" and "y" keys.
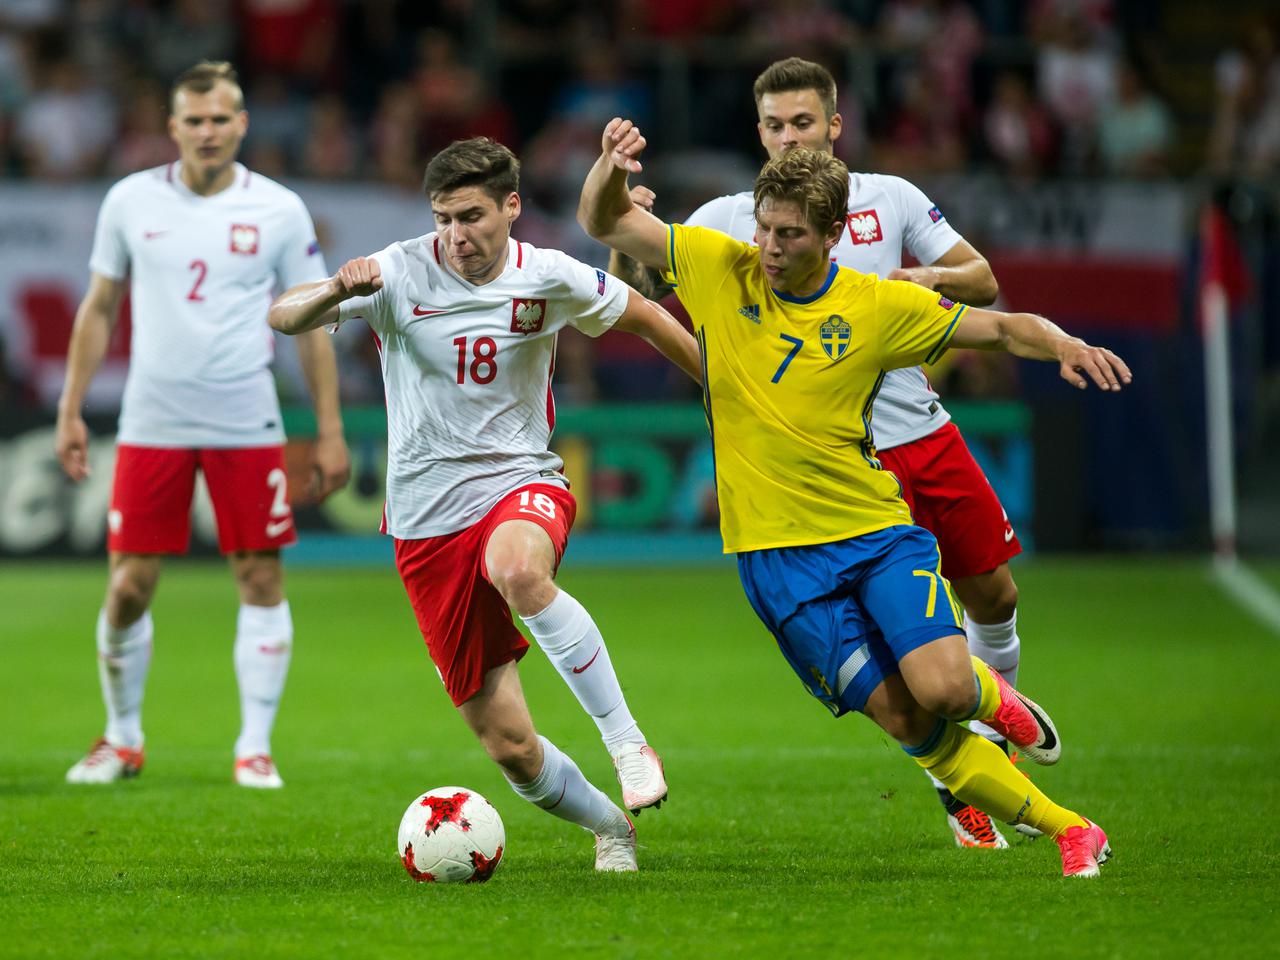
{"x": 106, "y": 763}
{"x": 617, "y": 854}
{"x": 639, "y": 770}
{"x": 258, "y": 771}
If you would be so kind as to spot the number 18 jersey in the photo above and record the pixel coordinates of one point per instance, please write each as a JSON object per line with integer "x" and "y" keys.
{"x": 789, "y": 384}
{"x": 468, "y": 373}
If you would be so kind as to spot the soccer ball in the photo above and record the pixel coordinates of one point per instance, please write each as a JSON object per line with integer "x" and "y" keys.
{"x": 450, "y": 835}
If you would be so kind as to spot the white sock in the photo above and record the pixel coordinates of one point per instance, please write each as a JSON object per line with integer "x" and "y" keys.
{"x": 124, "y": 656}
{"x": 998, "y": 645}
{"x": 573, "y": 643}
{"x": 562, "y": 791}
{"x": 264, "y": 645}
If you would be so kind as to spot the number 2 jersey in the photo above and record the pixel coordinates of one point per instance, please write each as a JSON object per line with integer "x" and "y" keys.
{"x": 885, "y": 214}
{"x": 468, "y": 370}
{"x": 789, "y": 385}
{"x": 202, "y": 271}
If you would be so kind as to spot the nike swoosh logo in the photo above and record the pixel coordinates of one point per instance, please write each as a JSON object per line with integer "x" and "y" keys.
{"x": 1008, "y": 534}
{"x": 152, "y": 234}
{"x": 589, "y": 662}
{"x": 279, "y": 527}
{"x": 1050, "y": 741}
{"x": 419, "y": 312}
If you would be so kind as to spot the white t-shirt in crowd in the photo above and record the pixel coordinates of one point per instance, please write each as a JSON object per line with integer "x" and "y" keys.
{"x": 467, "y": 371}
{"x": 885, "y": 214}
{"x": 202, "y": 271}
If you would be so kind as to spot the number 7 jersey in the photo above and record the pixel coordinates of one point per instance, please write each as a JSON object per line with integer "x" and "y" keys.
{"x": 468, "y": 370}
{"x": 789, "y": 385}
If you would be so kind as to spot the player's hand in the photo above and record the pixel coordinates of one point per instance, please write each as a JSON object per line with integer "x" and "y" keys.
{"x": 643, "y": 197}
{"x": 622, "y": 144}
{"x": 360, "y": 277}
{"x": 921, "y": 275}
{"x": 330, "y": 466}
{"x": 1101, "y": 366}
{"x": 71, "y": 441}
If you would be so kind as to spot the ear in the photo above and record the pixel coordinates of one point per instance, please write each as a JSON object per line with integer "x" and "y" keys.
{"x": 243, "y": 117}
{"x": 834, "y": 126}
{"x": 173, "y": 128}
{"x": 760, "y": 133}
{"x": 833, "y": 235}
{"x": 511, "y": 207}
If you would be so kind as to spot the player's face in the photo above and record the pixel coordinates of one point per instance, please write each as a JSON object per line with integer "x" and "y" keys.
{"x": 794, "y": 254}
{"x": 795, "y": 118}
{"x": 208, "y": 128}
{"x": 475, "y": 228}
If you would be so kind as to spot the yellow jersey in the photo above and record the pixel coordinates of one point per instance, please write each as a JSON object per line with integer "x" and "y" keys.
{"x": 788, "y": 387}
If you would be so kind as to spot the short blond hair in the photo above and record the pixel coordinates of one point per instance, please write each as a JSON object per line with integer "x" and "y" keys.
{"x": 203, "y": 77}
{"x": 817, "y": 182}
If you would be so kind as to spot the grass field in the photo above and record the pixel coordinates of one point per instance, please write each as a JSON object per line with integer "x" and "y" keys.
{"x": 787, "y": 833}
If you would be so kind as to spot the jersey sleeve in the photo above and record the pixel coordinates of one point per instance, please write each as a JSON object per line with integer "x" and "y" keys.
{"x": 914, "y": 324}
{"x": 110, "y": 256}
{"x": 378, "y": 309}
{"x": 718, "y": 214}
{"x": 697, "y": 260}
{"x": 300, "y": 258}
{"x": 592, "y": 299}
{"x": 925, "y": 231}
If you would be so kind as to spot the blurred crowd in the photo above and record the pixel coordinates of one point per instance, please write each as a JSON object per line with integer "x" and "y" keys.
{"x": 369, "y": 89}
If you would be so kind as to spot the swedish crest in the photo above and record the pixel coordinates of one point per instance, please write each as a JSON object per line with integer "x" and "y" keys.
{"x": 835, "y": 335}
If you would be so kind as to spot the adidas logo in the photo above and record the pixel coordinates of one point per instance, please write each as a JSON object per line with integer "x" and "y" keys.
{"x": 751, "y": 311}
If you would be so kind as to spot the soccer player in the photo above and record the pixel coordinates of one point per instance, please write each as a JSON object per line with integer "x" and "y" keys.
{"x": 794, "y": 349}
{"x": 914, "y": 436}
{"x": 202, "y": 242}
{"x": 466, "y": 319}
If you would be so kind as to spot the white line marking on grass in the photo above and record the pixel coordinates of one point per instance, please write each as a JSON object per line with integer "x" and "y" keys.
{"x": 1248, "y": 590}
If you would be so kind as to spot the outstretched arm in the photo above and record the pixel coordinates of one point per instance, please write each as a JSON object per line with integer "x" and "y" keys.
{"x": 90, "y": 337}
{"x": 646, "y": 280}
{"x": 1035, "y": 338}
{"x": 652, "y": 323}
{"x": 311, "y": 305}
{"x": 605, "y": 209}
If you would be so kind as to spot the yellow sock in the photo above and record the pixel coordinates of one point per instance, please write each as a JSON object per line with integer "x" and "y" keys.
{"x": 977, "y": 771}
{"x": 988, "y": 692}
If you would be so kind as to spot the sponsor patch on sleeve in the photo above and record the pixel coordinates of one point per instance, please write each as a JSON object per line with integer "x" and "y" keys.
{"x": 599, "y": 283}
{"x": 945, "y": 304}
{"x": 313, "y": 248}
{"x": 935, "y": 214}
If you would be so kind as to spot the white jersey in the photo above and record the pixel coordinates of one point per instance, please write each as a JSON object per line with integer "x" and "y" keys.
{"x": 202, "y": 273}
{"x": 885, "y": 214}
{"x": 468, "y": 372}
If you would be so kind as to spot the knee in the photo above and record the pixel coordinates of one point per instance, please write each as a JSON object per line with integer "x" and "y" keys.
{"x": 129, "y": 593}
{"x": 523, "y": 583}
{"x": 953, "y": 696}
{"x": 991, "y": 600}
{"x": 260, "y": 581}
{"x": 901, "y": 716}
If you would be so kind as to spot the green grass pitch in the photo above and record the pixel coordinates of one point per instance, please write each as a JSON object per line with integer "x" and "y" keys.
{"x": 787, "y": 833}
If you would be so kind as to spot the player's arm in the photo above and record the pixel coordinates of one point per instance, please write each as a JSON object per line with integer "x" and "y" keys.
{"x": 331, "y": 460}
{"x": 1035, "y": 338}
{"x": 645, "y": 279}
{"x": 605, "y": 209}
{"x": 310, "y": 305}
{"x": 961, "y": 274}
{"x": 90, "y": 337}
{"x": 652, "y": 323}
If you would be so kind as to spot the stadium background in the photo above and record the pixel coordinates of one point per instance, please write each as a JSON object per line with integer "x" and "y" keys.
{"x": 1075, "y": 144}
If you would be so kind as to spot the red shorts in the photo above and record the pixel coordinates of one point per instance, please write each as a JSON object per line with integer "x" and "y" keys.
{"x": 950, "y": 496}
{"x": 151, "y": 498}
{"x": 463, "y": 618}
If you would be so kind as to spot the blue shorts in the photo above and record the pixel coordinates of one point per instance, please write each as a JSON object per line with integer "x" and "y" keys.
{"x": 845, "y": 613}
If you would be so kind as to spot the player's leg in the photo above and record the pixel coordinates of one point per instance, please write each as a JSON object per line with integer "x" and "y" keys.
{"x": 979, "y": 773}
{"x": 249, "y": 492}
{"x": 262, "y": 653}
{"x": 529, "y": 529}
{"x": 950, "y": 496}
{"x": 540, "y": 772}
{"x": 148, "y": 516}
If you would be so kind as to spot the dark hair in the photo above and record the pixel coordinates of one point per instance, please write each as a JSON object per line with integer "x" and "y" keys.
{"x": 783, "y": 76}
{"x": 476, "y": 162}
{"x": 817, "y": 182}
{"x": 203, "y": 77}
